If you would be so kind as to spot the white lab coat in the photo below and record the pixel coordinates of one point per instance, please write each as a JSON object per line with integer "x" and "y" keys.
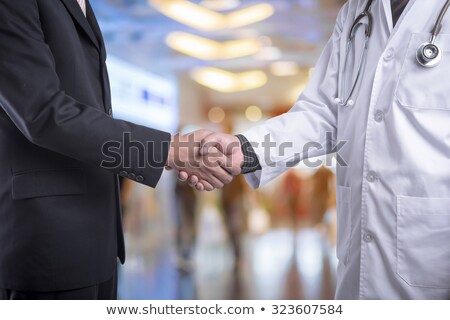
{"x": 393, "y": 198}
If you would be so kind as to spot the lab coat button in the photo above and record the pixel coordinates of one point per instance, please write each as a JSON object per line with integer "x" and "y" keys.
{"x": 389, "y": 54}
{"x": 368, "y": 237}
{"x": 372, "y": 177}
{"x": 379, "y": 116}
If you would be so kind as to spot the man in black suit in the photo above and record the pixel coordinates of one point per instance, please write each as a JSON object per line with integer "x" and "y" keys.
{"x": 60, "y": 220}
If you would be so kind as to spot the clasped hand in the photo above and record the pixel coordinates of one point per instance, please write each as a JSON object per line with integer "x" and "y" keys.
{"x": 206, "y": 160}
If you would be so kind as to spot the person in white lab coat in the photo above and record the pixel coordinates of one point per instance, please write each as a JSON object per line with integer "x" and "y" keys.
{"x": 393, "y": 180}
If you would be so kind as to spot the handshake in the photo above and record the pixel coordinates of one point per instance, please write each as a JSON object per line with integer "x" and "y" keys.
{"x": 206, "y": 160}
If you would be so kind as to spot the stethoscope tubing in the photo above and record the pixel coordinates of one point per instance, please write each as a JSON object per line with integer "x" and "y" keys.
{"x": 345, "y": 100}
{"x": 421, "y": 58}
{"x": 437, "y": 27}
{"x": 360, "y": 66}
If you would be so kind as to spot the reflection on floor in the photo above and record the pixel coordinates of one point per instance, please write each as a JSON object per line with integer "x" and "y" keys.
{"x": 278, "y": 264}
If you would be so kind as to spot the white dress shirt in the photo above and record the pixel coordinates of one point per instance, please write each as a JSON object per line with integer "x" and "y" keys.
{"x": 82, "y": 4}
{"x": 393, "y": 197}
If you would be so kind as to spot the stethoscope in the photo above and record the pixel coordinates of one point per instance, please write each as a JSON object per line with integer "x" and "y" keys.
{"x": 428, "y": 55}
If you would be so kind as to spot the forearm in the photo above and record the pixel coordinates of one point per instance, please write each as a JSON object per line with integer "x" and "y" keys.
{"x": 33, "y": 98}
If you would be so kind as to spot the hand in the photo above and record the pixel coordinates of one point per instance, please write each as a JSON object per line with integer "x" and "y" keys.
{"x": 227, "y": 144}
{"x": 208, "y": 169}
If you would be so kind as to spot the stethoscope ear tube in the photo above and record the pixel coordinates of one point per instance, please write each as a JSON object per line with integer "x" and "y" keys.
{"x": 358, "y": 21}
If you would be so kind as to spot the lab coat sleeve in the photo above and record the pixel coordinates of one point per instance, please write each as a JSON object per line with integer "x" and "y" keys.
{"x": 309, "y": 128}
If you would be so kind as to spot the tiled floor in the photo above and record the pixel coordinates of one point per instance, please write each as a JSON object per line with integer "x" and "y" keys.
{"x": 278, "y": 264}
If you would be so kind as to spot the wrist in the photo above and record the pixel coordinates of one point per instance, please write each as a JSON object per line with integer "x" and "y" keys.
{"x": 240, "y": 158}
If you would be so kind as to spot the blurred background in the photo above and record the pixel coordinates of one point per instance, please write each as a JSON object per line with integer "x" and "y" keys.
{"x": 225, "y": 65}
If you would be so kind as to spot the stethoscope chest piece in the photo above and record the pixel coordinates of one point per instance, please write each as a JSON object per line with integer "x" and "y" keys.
{"x": 429, "y": 55}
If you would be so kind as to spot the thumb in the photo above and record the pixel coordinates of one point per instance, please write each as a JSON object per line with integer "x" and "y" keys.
{"x": 212, "y": 141}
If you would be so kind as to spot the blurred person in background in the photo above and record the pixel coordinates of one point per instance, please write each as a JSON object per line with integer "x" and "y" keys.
{"x": 289, "y": 203}
{"x": 187, "y": 208}
{"x": 232, "y": 203}
{"x": 233, "y": 199}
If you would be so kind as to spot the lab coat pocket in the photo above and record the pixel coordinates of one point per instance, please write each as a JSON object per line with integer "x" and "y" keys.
{"x": 423, "y": 241}
{"x": 344, "y": 222}
{"x": 425, "y": 88}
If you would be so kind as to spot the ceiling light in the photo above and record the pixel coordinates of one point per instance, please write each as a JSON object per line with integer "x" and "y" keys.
{"x": 192, "y": 45}
{"x": 225, "y": 81}
{"x": 240, "y": 48}
{"x": 253, "y": 113}
{"x": 284, "y": 68}
{"x": 217, "y": 79}
{"x": 202, "y": 18}
{"x": 250, "y": 15}
{"x": 190, "y": 14}
{"x": 220, "y": 5}
{"x": 216, "y": 115}
{"x": 206, "y": 49}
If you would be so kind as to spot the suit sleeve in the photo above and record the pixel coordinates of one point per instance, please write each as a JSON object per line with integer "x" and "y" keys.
{"x": 32, "y": 97}
{"x": 309, "y": 129}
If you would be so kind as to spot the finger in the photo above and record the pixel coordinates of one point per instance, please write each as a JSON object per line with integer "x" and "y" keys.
{"x": 225, "y": 179}
{"x": 193, "y": 180}
{"x": 200, "y": 187}
{"x": 183, "y": 176}
{"x": 211, "y": 141}
{"x": 233, "y": 165}
{"x": 213, "y": 180}
{"x": 209, "y": 149}
{"x": 214, "y": 173}
{"x": 226, "y": 163}
{"x": 168, "y": 168}
{"x": 207, "y": 186}
{"x": 215, "y": 160}
{"x": 222, "y": 175}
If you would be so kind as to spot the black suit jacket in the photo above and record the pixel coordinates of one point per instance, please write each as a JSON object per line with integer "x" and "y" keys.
{"x": 60, "y": 225}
